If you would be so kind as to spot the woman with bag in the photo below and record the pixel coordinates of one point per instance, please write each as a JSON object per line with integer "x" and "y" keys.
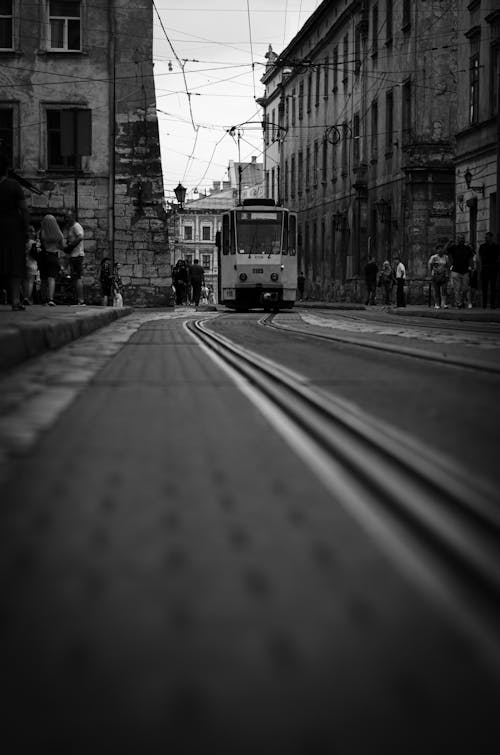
{"x": 52, "y": 241}
{"x": 386, "y": 281}
{"x": 439, "y": 270}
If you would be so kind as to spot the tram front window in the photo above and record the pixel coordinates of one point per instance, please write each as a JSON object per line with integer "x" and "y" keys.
{"x": 259, "y": 233}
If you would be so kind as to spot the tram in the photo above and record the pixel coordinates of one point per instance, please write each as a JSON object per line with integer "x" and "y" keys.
{"x": 257, "y": 256}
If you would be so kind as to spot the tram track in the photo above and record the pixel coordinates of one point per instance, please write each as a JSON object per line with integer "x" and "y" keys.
{"x": 442, "y": 527}
{"x": 378, "y": 345}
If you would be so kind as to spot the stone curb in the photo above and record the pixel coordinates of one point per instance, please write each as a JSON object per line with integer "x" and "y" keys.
{"x": 19, "y": 342}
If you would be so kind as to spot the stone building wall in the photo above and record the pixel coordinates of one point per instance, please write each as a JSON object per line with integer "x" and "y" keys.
{"x": 120, "y": 185}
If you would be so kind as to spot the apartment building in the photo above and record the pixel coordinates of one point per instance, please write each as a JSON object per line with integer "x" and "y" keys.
{"x": 78, "y": 118}
{"x": 365, "y": 102}
{"x": 478, "y": 124}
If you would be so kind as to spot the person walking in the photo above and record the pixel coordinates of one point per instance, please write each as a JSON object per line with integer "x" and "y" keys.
{"x": 180, "y": 281}
{"x": 489, "y": 258}
{"x": 14, "y": 233}
{"x": 197, "y": 275}
{"x": 371, "y": 271}
{"x": 400, "y": 275}
{"x": 75, "y": 252}
{"x": 31, "y": 267}
{"x": 106, "y": 281}
{"x": 52, "y": 240}
{"x": 301, "y": 282}
{"x": 461, "y": 263}
{"x": 386, "y": 281}
{"x": 439, "y": 270}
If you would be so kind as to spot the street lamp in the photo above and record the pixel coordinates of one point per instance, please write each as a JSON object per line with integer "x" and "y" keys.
{"x": 180, "y": 195}
{"x": 468, "y": 181}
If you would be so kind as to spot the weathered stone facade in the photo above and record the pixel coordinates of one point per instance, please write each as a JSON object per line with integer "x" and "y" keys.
{"x": 365, "y": 109}
{"x": 108, "y": 70}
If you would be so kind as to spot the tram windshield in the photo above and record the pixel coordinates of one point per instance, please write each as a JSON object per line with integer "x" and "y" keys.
{"x": 259, "y": 232}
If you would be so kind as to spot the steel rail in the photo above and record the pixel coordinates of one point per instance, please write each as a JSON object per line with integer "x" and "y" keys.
{"x": 429, "y": 356}
{"x": 452, "y": 520}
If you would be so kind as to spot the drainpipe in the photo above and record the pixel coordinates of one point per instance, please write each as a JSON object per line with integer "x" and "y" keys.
{"x": 112, "y": 129}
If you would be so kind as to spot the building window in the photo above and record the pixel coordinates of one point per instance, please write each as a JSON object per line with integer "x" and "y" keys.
{"x": 324, "y": 161}
{"x": 293, "y": 107}
{"x": 64, "y": 25}
{"x": 273, "y": 125}
{"x": 356, "y": 140}
{"x": 292, "y": 176}
{"x": 334, "y": 162}
{"x": 406, "y": 24}
{"x": 335, "y": 67}
{"x": 389, "y": 121}
{"x": 206, "y": 232}
{"x": 345, "y": 132}
{"x": 315, "y": 164}
{"x": 357, "y": 51}
{"x": 188, "y": 233}
{"x": 205, "y": 261}
{"x": 325, "y": 78}
{"x": 273, "y": 179}
{"x": 494, "y": 63}
{"x": 309, "y": 92}
{"x": 267, "y": 185}
{"x": 345, "y": 65}
{"x": 287, "y": 111}
{"x": 388, "y": 22}
{"x": 407, "y": 113}
{"x": 6, "y": 25}
{"x": 300, "y": 173}
{"x": 301, "y": 100}
{"x": 285, "y": 187}
{"x": 55, "y": 159}
{"x": 318, "y": 84}
{"x": 374, "y": 131}
{"x": 189, "y": 259}
{"x": 375, "y": 30}
{"x": 7, "y": 132}
{"x": 474, "y": 80}
{"x": 308, "y": 167}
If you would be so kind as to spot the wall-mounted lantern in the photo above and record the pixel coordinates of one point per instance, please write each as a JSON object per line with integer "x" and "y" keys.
{"x": 468, "y": 181}
{"x": 382, "y": 207}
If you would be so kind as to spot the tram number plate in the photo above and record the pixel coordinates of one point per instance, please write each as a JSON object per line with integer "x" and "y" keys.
{"x": 257, "y": 270}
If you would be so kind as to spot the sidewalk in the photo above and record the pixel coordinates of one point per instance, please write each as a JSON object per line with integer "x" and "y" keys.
{"x": 477, "y": 314}
{"x": 38, "y": 329}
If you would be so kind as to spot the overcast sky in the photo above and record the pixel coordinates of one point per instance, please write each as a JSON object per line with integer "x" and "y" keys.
{"x": 220, "y": 46}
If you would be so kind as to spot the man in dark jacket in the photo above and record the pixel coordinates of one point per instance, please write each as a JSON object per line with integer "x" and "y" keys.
{"x": 489, "y": 255}
{"x": 197, "y": 276}
{"x": 371, "y": 272}
{"x": 461, "y": 258}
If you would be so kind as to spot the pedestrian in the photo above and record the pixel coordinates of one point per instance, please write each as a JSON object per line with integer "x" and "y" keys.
{"x": 211, "y": 295}
{"x": 371, "y": 272}
{"x": 489, "y": 259}
{"x": 75, "y": 252}
{"x": 461, "y": 263}
{"x": 204, "y": 294}
{"x": 197, "y": 277}
{"x": 31, "y": 267}
{"x": 14, "y": 233}
{"x": 400, "y": 275}
{"x": 301, "y": 282}
{"x": 386, "y": 281}
{"x": 106, "y": 281}
{"x": 52, "y": 240}
{"x": 439, "y": 270}
{"x": 180, "y": 281}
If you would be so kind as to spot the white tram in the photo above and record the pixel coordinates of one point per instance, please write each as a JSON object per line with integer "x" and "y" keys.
{"x": 257, "y": 251}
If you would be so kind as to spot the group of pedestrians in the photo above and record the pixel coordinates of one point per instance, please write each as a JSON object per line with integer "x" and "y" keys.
{"x": 188, "y": 283}
{"x": 453, "y": 263}
{"x": 26, "y": 255}
{"x": 385, "y": 278}
{"x": 458, "y": 264}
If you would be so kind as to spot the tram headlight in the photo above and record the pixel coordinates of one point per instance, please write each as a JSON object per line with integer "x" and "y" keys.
{"x": 243, "y": 276}
{"x": 274, "y": 276}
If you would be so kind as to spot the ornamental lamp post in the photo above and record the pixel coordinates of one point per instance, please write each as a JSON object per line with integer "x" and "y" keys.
{"x": 180, "y": 195}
